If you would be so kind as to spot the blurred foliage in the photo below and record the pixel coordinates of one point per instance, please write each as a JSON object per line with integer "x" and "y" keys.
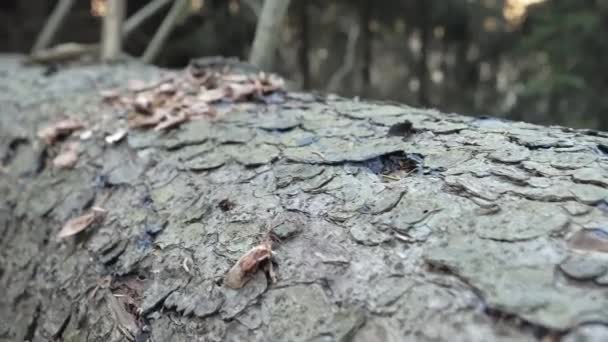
{"x": 572, "y": 72}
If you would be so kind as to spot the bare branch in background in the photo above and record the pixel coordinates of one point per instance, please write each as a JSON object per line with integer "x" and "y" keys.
{"x": 268, "y": 33}
{"x": 52, "y": 25}
{"x": 133, "y": 22}
{"x": 350, "y": 55}
{"x": 63, "y": 53}
{"x": 303, "y": 60}
{"x": 425, "y": 37}
{"x": 111, "y": 31}
{"x": 365, "y": 12}
{"x": 153, "y": 49}
{"x": 255, "y": 6}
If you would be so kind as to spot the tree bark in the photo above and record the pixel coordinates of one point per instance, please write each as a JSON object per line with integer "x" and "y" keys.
{"x": 389, "y": 222}
{"x": 268, "y": 34}
{"x": 111, "y": 31}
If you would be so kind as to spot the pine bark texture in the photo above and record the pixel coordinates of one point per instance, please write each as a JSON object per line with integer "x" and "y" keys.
{"x": 458, "y": 228}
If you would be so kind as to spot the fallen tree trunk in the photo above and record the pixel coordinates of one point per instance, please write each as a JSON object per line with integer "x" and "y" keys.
{"x": 389, "y": 223}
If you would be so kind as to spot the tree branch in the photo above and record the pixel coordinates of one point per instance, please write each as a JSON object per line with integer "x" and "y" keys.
{"x": 153, "y": 49}
{"x": 255, "y": 6}
{"x": 365, "y": 12}
{"x": 350, "y": 55}
{"x": 52, "y": 24}
{"x": 133, "y": 22}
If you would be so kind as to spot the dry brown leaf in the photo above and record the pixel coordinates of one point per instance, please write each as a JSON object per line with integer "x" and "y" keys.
{"x": 235, "y": 78}
{"x": 238, "y": 91}
{"x": 271, "y": 82}
{"x": 139, "y": 121}
{"x": 142, "y": 103}
{"x": 212, "y": 95}
{"x": 167, "y": 88}
{"x": 80, "y": 223}
{"x": 62, "y": 128}
{"x": 116, "y": 136}
{"x": 68, "y": 156}
{"x": 248, "y": 264}
{"x": 199, "y": 109}
{"x": 172, "y": 121}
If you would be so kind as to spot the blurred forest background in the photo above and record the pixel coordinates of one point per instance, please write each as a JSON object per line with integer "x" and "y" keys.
{"x": 542, "y": 61}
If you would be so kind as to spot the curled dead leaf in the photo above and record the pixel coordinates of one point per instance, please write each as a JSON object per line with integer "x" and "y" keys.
{"x": 140, "y": 121}
{"x": 271, "y": 82}
{"x": 80, "y": 223}
{"x": 199, "y": 110}
{"x": 167, "y": 88}
{"x": 238, "y": 91}
{"x": 68, "y": 156}
{"x": 60, "y": 129}
{"x": 142, "y": 104}
{"x": 172, "y": 121}
{"x": 212, "y": 95}
{"x": 247, "y": 265}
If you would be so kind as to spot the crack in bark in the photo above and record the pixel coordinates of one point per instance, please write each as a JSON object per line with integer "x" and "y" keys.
{"x": 12, "y": 148}
{"x": 30, "y": 332}
{"x": 537, "y": 330}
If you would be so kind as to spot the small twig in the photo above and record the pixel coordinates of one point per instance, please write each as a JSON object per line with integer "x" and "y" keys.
{"x": 52, "y": 25}
{"x": 403, "y": 238}
{"x": 63, "y": 53}
{"x": 185, "y": 265}
{"x": 144, "y": 13}
{"x": 318, "y": 154}
{"x": 393, "y": 178}
{"x": 111, "y": 33}
{"x": 153, "y": 49}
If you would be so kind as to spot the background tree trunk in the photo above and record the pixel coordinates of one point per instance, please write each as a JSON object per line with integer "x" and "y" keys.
{"x": 268, "y": 34}
{"x": 111, "y": 33}
{"x": 365, "y": 14}
{"x": 423, "y": 68}
{"x": 304, "y": 47}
